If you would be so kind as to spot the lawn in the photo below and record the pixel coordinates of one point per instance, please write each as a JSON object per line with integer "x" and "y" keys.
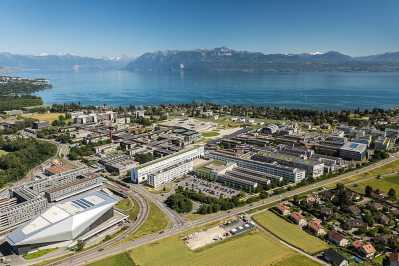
{"x": 253, "y": 248}
{"x": 390, "y": 168}
{"x": 122, "y": 259}
{"x": 210, "y": 134}
{"x": 49, "y": 117}
{"x": 2, "y": 153}
{"x": 38, "y": 254}
{"x": 129, "y": 207}
{"x": 155, "y": 222}
{"x": 383, "y": 184}
{"x": 290, "y": 233}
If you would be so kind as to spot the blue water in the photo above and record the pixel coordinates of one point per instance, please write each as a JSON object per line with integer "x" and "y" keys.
{"x": 305, "y": 90}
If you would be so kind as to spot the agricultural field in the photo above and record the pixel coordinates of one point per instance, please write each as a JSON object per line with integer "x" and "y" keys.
{"x": 253, "y": 248}
{"x": 382, "y": 183}
{"x": 155, "y": 222}
{"x": 290, "y": 233}
{"x": 122, "y": 259}
{"x": 49, "y": 117}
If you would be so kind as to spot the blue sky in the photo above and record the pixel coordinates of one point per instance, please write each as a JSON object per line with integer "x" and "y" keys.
{"x": 108, "y": 28}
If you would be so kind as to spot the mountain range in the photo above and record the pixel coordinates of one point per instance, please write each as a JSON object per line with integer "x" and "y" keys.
{"x": 209, "y": 60}
{"x": 60, "y": 62}
{"x": 224, "y": 59}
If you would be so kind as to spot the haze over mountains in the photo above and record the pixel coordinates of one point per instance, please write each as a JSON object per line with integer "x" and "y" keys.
{"x": 61, "y": 62}
{"x": 210, "y": 60}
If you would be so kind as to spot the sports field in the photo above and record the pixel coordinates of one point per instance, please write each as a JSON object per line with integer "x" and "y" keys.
{"x": 290, "y": 233}
{"x": 253, "y": 248}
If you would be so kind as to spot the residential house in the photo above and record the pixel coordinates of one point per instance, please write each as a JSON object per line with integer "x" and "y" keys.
{"x": 299, "y": 219}
{"x": 316, "y": 228}
{"x": 383, "y": 219}
{"x": 283, "y": 209}
{"x": 366, "y": 250}
{"x": 334, "y": 258}
{"x": 326, "y": 213}
{"x": 354, "y": 210}
{"x": 337, "y": 238}
{"x": 394, "y": 259}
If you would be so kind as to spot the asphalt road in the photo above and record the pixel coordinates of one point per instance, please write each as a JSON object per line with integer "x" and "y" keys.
{"x": 94, "y": 255}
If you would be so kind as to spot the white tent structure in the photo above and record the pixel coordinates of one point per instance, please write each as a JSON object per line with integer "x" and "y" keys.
{"x": 62, "y": 222}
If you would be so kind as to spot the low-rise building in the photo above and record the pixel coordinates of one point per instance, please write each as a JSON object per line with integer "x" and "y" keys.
{"x": 334, "y": 258}
{"x": 337, "y": 238}
{"x": 353, "y": 151}
{"x": 299, "y": 219}
{"x": 316, "y": 228}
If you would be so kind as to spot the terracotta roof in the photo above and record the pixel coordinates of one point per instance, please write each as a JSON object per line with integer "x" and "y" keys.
{"x": 368, "y": 248}
{"x": 296, "y": 216}
{"x": 394, "y": 257}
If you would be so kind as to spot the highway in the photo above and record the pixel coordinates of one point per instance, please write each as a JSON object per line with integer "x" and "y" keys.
{"x": 83, "y": 258}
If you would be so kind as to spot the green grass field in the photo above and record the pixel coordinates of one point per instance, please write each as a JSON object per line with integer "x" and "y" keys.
{"x": 128, "y": 208}
{"x": 3, "y": 152}
{"x": 210, "y": 134}
{"x": 38, "y": 254}
{"x": 253, "y": 248}
{"x": 155, "y": 222}
{"x": 122, "y": 259}
{"x": 390, "y": 168}
{"x": 383, "y": 184}
{"x": 290, "y": 233}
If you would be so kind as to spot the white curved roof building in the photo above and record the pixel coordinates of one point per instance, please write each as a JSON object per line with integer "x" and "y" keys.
{"x": 63, "y": 222}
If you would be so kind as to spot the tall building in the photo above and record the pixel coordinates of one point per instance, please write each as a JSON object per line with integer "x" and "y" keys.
{"x": 155, "y": 168}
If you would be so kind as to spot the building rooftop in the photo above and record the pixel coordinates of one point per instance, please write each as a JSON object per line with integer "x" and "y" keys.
{"x": 62, "y": 218}
{"x": 353, "y": 146}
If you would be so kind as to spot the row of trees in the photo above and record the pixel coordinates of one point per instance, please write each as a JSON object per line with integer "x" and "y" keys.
{"x": 23, "y": 155}
{"x": 179, "y": 202}
{"x": 369, "y": 191}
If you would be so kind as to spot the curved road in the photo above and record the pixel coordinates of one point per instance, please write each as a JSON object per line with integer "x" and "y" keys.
{"x": 94, "y": 255}
{"x": 134, "y": 226}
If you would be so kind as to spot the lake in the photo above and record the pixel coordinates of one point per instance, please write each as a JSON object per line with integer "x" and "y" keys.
{"x": 332, "y": 91}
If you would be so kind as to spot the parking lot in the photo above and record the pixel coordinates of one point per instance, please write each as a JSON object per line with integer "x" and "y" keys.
{"x": 213, "y": 189}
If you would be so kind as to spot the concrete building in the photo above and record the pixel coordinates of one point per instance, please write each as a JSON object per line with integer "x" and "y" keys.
{"x": 80, "y": 184}
{"x": 169, "y": 174}
{"x": 273, "y": 169}
{"x": 119, "y": 164}
{"x": 313, "y": 168}
{"x": 141, "y": 173}
{"x": 353, "y": 151}
{"x": 63, "y": 222}
{"x": 24, "y": 202}
{"x": 85, "y": 119}
{"x": 40, "y": 124}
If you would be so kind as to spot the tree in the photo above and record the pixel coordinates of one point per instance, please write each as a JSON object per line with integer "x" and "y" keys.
{"x": 392, "y": 194}
{"x": 368, "y": 190}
